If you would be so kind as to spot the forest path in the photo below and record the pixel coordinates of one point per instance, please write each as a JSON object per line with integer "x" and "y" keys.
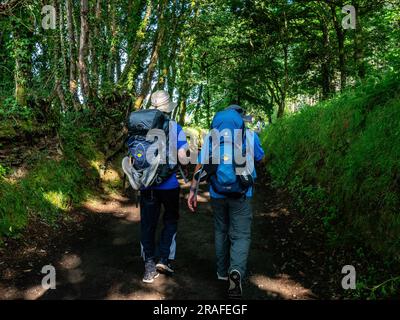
{"x": 101, "y": 259}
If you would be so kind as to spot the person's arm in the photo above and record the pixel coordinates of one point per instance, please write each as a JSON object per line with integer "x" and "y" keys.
{"x": 182, "y": 145}
{"x": 192, "y": 199}
{"x": 203, "y": 155}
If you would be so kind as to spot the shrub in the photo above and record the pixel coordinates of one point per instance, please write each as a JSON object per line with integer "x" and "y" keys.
{"x": 340, "y": 159}
{"x": 52, "y": 186}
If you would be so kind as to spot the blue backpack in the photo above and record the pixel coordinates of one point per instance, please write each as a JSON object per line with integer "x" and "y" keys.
{"x": 139, "y": 124}
{"x": 224, "y": 177}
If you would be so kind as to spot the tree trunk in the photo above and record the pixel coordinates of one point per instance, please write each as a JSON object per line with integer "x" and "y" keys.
{"x": 117, "y": 65}
{"x": 326, "y": 62}
{"x": 281, "y": 108}
{"x": 176, "y": 110}
{"x": 169, "y": 54}
{"x": 154, "y": 56}
{"x": 340, "y": 34}
{"x": 59, "y": 63}
{"x": 62, "y": 43}
{"x": 342, "y": 61}
{"x": 83, "y": 50}
{"x": 73, "y": 83}
{"x": 163, "y": 73}
{"x": 135, "y": 8}
{"x": 208, "y": 105}
{"x": 95, "y": 47}
{"x": 198, "y": 105}
{"x": 171, "y": 67}
{"x": 285, "y": 87}
{"x": 60, "y": 93}
{"x": 182, "y": 110}
{"x": 22, "y": 65}
{"x": 171, "y": 77}
{"x": 359, "y": 46}
{"x": 113, "y": 48}
{"x": 128, "y": 73}
{"x": 20, "y": 88}
{"x": 282, "y": 101}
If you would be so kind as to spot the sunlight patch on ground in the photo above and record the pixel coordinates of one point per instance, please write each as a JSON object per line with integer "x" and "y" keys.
{"x": 111, "y": 181}
{"x": 19, "y": 174}
{"x": 97, "y": 164}
{"x": 203, "y": 197}
{"x": 34, "y": 293}
{"x": 110, "y": 175}
{"x": 115, "y": 204}
{"x": 9, "y": 293}
{"x": 70, "y": 261}
{"x": 139, "y": 295}
{"x": 162, "y": 288}
{"x": 282, "y": 286}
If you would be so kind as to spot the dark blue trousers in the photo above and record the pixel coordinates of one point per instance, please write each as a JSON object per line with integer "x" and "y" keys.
{"x": 151, "y": 202}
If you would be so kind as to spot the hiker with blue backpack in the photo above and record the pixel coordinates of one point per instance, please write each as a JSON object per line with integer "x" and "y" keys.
{"x": 228, "y": 158}
{"x": 155, "y": 144}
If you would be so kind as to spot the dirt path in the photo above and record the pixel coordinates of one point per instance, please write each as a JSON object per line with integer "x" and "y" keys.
{"x": 97, "y": 256}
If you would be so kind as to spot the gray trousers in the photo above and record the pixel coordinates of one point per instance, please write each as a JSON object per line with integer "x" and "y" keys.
{"x": 232, "y": 224}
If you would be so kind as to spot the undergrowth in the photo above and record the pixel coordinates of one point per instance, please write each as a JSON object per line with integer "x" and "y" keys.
{"x": 340, "y": 162}
{"x": 52, "y": 186}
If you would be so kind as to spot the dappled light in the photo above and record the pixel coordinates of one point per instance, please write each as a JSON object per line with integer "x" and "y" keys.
{"x": 70, "y": 261}
{"x": 281, "y": 286}
{"x": 57, "y": 199}
{"x": 109, "y": 265}
{"x": 34, "y": 293}
{"x": 119, "y": 205}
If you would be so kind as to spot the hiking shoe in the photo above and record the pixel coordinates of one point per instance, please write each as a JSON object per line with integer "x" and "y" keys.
{"x": 222, "y": 278}
{"x": 150, "y": 272}
{"x": 235, "y": 285}
{"x": 164, "y": 266}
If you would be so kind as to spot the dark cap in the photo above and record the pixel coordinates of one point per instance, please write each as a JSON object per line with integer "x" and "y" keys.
{"x": 240, "y": 110}
{"x": 236, "y": 108}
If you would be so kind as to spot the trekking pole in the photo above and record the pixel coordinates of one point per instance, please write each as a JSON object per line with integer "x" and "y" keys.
{"x": 183, "y": 175}
{"x": 123, "y": 183}
{"x": 137, "y": 198}
{"x": 196, "y": 190}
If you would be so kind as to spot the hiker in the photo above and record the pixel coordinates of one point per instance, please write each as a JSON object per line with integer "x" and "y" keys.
{"x": 158, "y": 184}
{"x": 259, "y": 126}
{"x": 231, "y": 203}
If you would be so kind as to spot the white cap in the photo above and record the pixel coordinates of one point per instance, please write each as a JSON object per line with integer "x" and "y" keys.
{"x": 161, "y": 100}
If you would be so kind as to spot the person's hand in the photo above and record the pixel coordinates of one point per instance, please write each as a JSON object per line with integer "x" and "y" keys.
{"x": 192, "y": 201}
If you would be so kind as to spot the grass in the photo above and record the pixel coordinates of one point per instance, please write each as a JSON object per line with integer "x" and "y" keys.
{"x": 52, "y": 186}
{"x": 340, "y": 161}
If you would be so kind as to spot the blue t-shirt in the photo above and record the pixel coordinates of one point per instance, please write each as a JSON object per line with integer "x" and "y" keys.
{"x": 177, "y": 139}
{"x": 255, "y": 149}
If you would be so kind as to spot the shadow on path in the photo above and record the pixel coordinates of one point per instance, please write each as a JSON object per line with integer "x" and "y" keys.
{"x": 102, "y": 259}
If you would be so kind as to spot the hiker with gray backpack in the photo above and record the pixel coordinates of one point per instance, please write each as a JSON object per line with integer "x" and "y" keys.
{"x": 227, "y": 162}
{"x": 155, "y": 144}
